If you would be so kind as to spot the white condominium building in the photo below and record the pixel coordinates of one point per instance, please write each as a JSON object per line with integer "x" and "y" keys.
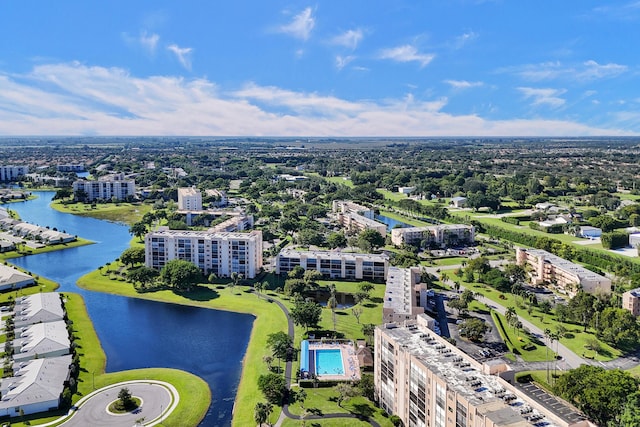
{"x": 11, "y": 173}
{"x": 566, "y": 276}
{"x": 428, "y": 382}
{"x": 189, "y": 199}
{"x": 404, "y": 296}
{"x": 221, "y": 253}
{"x": 106, "y": 188}
{"x": 336, "y": 265}
{"x": 443, "y": 235}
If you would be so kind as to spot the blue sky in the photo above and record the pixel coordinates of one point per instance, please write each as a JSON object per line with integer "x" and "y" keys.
{"x": 330, "y": 68}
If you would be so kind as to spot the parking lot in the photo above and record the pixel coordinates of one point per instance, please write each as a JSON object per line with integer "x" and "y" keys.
{"x": 559, "y": 407}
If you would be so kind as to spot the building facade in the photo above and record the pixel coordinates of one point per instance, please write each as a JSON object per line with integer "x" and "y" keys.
{"x": 11, "y": 173}
{"x": 443, "y": 235}
{"x": 566, "y": 276}
{"x": 335, "y": 265}
{"x": 355, "y": 223}
{"x": 404, "y": 296}
{"x": 114, "y": 186}
{"x": 631, "y": 301}
{"x": 347, "y": 206}
{"x": 428, "y": 382}
{"x": 220, "y": 253}
{"x": 189, "y": 199}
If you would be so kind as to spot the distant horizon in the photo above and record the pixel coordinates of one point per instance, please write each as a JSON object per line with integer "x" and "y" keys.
{"x": 365, "y": 68}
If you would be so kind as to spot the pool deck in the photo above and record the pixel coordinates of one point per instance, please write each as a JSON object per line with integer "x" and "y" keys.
{"x": 350, "y": 362}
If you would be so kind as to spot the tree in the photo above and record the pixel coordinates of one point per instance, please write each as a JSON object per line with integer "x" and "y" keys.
{"x": 345, "y": 391}
{"x": 357, "y": 312}
{"x": 332, "y": 304}
{"x": 261, "y": 412}
{"x": 125, "y": 399}
{"x": 306, "y": 314}
{"x": 131, "y": 256}
{"x": 336, "y": 240}
{"x": 458, "y": 304}
{"x": 368, "y": 329}
{"x": 311, "y": 277}
{"x": 139, "y": 229}
{"x": 468, "y": 296}
{"x": 181, "y": 275}
{"x": 367, "y": 387}
{"x": 143, "y": 275}
{"x": 235, "y": 280}
{"x": 474, "y": 329}
{"x": 273, "y": 387}
{"x": 280, "y": 344}
{"x": 601, "y": 394}
{"x": 369, "y": 239}
{"x": 630, "y": 416}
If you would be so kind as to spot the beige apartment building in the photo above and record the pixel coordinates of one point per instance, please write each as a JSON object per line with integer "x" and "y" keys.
{"x": 189, "y": 199}
{"x": 221, "y": 253}
{"x": 404, "y": 296}
{"x": 428, "y": 382}
{"x": 566, "y": 276}
{"x": 443, "y": 235}
{"x": 334, "y": 264}
{"x": 631, "y": 301}
{"x": 106, "y": 188}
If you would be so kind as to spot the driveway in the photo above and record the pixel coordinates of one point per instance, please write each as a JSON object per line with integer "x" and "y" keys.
{"x": 158, "y": 401}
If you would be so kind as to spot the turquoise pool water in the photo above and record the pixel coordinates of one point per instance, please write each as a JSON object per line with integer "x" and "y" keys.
{"x": 329, "y": 362}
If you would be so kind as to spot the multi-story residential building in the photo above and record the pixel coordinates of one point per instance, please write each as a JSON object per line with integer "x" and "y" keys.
{"x": 220, "y": 253}
{"x": 443, "y": 235}
{"x": 355, "y": 223}
{"x": 631, "y": 301}
{"x": 347, "y": 206}
{"x": 220, "y": 195}
{"x": 336, "y": 265}
{"x": 566, "y": 276}
{"x": 428, "y": 382}
{"x": 404, "y": 296}
{"x": 11, "y": 173}
{"x": 105, "y": 188}
{"x": 189, "y": 199}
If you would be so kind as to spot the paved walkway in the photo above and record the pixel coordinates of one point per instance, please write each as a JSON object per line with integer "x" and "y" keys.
{"x": 159, "y": 400}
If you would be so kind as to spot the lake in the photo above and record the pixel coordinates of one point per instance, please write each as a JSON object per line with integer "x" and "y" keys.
{"x": 391, "y": 223}
{"x": 137, "y": 333}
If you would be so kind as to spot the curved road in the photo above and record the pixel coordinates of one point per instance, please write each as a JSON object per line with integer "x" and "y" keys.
{"x": 287, "y": 375}
{"x": 158, "y": 401}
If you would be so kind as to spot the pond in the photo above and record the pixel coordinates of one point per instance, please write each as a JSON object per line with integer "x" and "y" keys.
{"x": 391, "y": 223}
{"x": 136, "y": 333}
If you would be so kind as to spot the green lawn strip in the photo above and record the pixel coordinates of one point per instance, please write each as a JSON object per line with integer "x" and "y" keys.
{"x": 449, "y": 261}
{"x": 518, "y": 341}
{"x": 337, "y": 422}
{"x": 576, "y": 343}
{"x": 538, "y": 377}
{"x": 50, "y": 248}
{"x": 340, "y": 180}
{"x": 269, "y": 319}
{"x": 635, "y": 371}
{"x": 128, "y": 213}
{"x": 398, "y": 217}
{"x": 391, "y": 195}
{"x": 322, "y": 399}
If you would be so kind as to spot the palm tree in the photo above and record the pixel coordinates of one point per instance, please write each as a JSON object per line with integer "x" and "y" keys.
{"x": 235, "y": 280}
{"x": 547, "y": 335}
{"x": 261, "y": 412}
{"x": 268, "y": 360}
{"x": 332, "y": 303}
{"x": 510, "y": 314}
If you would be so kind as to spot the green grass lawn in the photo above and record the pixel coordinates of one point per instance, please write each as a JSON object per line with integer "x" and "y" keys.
{"x": 576, "y": 342}
{"x": 50, "y": 248}
{"x": 518, "y": 341}
{"x": 322, "y": 399}
{"x": 391, "y": 195}
{"x": 340, "y": 180}
{"x": 128, "y": 213}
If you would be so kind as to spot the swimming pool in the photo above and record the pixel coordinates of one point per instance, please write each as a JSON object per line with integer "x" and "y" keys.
{"x": 329, "y": 362}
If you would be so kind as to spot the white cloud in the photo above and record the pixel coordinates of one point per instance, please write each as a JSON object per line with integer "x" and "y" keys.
{"x": 342, "y": 61}
{"x": 465, "y": 38}
{"x": 349, "y": 39}
{"x": 463, "y": 84}
{"x": 406, "y": 53}
{"x": 547, "y": 96}
{"x": 75, "y": 99}
{"x": 183, "y": 55}
{"x": 587, "y": 71}
{"x": 149, "y": 41}
{"x": 301, "y": 25}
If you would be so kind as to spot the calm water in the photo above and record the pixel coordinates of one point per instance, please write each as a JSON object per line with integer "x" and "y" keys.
{"x": 390, "y": 222}
{"x": 137, "y": 333}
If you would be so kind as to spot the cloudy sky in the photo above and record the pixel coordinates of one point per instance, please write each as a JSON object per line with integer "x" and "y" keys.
{"x": 330, "y": 68}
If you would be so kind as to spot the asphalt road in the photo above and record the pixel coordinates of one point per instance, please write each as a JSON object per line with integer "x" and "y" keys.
{"x": 156, "y": 399}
